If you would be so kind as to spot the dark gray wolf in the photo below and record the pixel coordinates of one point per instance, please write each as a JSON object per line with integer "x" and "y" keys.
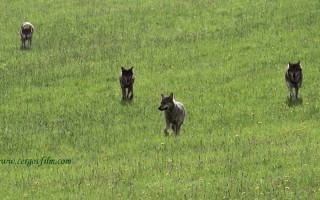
{"x": 126, "y": 80}
{"x": 293, "y": 78}
{"x": 26, "y": 31}
{"x": 174, "y": 113}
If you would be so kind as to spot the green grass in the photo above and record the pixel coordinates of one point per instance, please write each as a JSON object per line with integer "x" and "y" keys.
{"x": 224, "y": 60}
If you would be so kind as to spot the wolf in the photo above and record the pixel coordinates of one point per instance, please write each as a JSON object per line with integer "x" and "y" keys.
{"x": 293, "y": 77}
{"x": 26, "y": 31}
{"x": 174, "y": 113}
{"x": 126, "y": 80}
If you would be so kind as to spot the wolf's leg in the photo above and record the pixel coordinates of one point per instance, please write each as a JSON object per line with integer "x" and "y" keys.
{"x": 30, "y": 40}
{"x": 130, "y": 92}
{"x": 175, "y": 129}
{"x": 178, "y": 128}
{"x": 123, "y": 93}
{"x": 291, "y": 93}
{"x": 297, "y": 90}
{"x": 165, "y": 130}
{"x": 22, "y": 43}
{"x": 22, "y": 39}
{"x": 288, "y": 89}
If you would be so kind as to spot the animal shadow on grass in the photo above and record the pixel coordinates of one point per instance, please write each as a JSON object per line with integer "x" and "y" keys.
{"x": 126, "y": 101}
{"x": 296, "y": 102}
{"x": 25, "y": 48}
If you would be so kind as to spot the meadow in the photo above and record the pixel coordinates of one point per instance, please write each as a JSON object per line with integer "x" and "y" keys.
{"x": 224, "y": 60}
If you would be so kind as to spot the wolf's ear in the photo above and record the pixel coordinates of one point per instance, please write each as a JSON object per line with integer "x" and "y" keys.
{"x": 299, "y": 62}
{"x": 123, "y": 69}
{"x": 162, "y": 96}
{"x": 131, "y": 68}
{"x": 171, "y": 94}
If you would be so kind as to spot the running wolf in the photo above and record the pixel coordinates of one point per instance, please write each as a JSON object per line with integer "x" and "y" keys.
{"x": 26, "y": 31}
{"x": 126, "y": 80}
{"x": 293, "y": 78}
{"x": 174, "y": 113}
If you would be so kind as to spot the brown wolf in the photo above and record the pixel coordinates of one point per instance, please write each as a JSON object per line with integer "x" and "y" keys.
{"x": 293, "y": 77}
{"x": 126, "y": 80}
{"x": 174, "y": 113}
{"x": 26, "y": 31}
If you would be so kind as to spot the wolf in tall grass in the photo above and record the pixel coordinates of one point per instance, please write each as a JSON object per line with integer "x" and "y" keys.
{"x": 293, "y": 77}
{"x": 174, "y": 113}
{"x": 26, "y": 31}
{"x": 126, "y": 80}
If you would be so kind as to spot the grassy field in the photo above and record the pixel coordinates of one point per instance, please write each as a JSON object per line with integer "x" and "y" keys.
{"x": 224, "y": 60}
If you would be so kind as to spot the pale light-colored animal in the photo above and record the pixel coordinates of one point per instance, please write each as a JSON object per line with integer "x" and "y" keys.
{"x": 174, "y": 113}
{"x": 26, "y": 32}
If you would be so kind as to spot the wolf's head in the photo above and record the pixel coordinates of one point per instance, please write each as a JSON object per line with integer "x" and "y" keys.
{"x": 26, "y": 29}
{"x": 166, "y": 102}
{"x": 295, "y": 72}
{"x": 127, "y": 75}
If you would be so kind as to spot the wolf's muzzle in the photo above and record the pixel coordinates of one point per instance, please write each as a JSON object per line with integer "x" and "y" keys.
{"x": 162, "y": 109}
